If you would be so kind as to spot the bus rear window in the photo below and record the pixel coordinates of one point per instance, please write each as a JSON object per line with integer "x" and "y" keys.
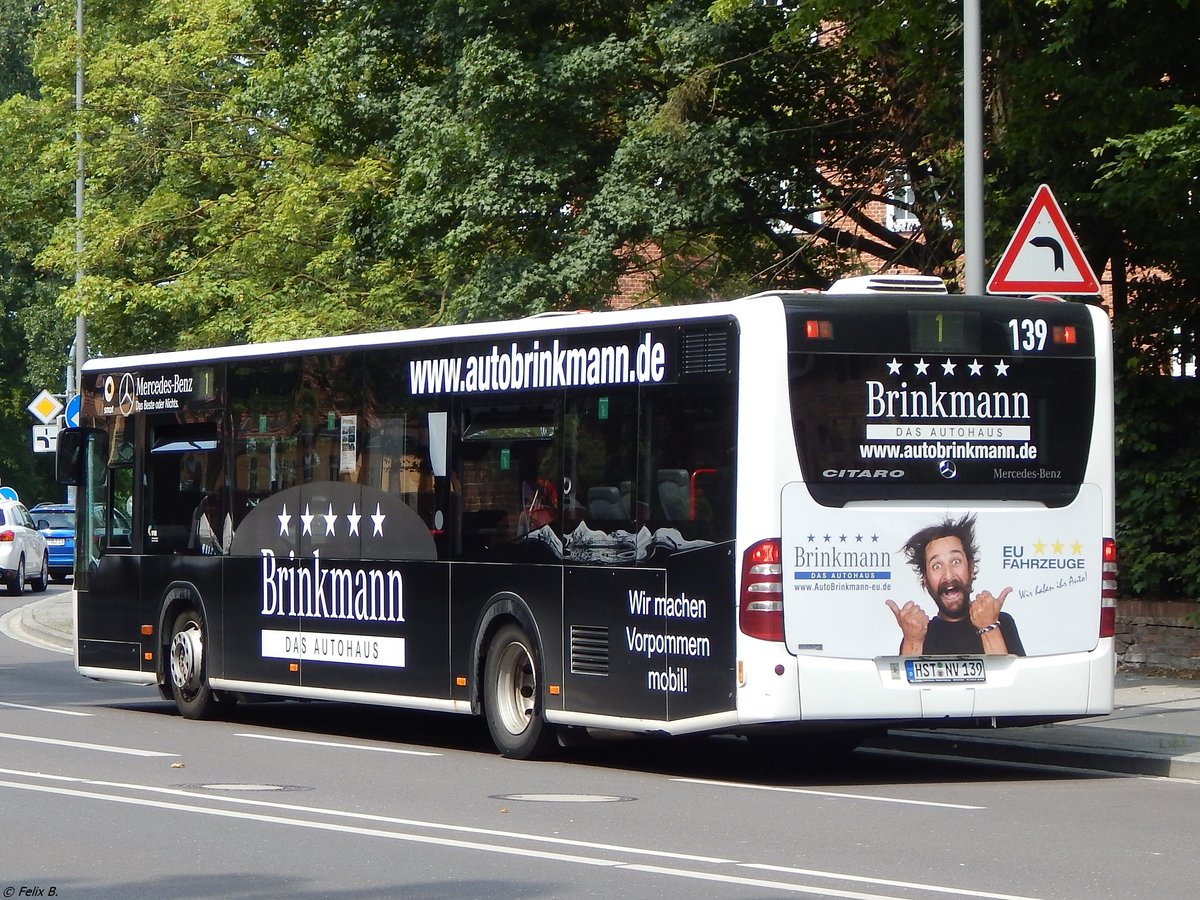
{"x": 938, "y": 404}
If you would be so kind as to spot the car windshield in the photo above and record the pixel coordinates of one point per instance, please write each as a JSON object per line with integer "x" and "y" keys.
{"x": 55, "y": 520}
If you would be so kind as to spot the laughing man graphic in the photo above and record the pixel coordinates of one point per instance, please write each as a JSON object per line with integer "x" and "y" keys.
{"x": 945, "y": 557}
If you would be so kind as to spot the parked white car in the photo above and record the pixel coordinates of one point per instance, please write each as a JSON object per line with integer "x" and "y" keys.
{"x": 23, "y": 555}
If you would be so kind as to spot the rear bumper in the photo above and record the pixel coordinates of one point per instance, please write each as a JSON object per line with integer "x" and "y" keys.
{"x": 1039, "y": 687}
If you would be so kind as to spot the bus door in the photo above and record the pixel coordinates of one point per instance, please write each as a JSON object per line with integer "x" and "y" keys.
{"x": 508, "y": 467}
{"x": 183, "y": 513}
{"x": 107, "y": 632}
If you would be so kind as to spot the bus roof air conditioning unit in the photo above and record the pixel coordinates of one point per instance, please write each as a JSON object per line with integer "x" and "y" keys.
{"x": 889, "y": 284}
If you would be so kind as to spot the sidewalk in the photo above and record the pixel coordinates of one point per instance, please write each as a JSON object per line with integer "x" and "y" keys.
{"x": 1154, "y": 730}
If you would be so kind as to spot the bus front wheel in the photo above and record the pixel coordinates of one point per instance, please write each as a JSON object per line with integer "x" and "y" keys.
{"x": 512, "y": 696}
{"x": 189, "y": 668}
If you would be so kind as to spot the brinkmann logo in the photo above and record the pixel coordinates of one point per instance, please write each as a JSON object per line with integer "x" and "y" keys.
{"x": 835, "y": 558}
{"x": 517, "y": 368}
{"x": 307, "y": 589}
{"x": 931, "y": 402}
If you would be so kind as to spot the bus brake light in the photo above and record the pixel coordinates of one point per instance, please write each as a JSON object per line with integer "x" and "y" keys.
{"x": 761, "y": 602}
{"x": 818, "y": 329}
{"x": 1063, "y": 334}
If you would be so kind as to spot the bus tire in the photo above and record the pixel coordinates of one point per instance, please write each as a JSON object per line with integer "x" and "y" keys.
{"x": 188, "y": 668}
{"x": 512, "y": 696}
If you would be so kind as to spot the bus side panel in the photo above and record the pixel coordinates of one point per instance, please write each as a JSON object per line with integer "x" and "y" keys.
{"x": 107, "y": 626}
{"x": 652, "y": 643}
{"x": 699, "y": 670}
{"x": 610, "y": 629}
{"x": 243, "y": 625}
{"x": 397, "y": 649}
{"x": 487, "y": 590}
{"x": 200, "y": 578}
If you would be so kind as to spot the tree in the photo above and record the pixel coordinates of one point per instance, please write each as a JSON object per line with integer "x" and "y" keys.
{"x": 32, "y": 329}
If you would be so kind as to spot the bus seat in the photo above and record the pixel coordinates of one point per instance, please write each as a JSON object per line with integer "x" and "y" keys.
{"x": 604, "y": 502}
{"x": 674, "y": 493}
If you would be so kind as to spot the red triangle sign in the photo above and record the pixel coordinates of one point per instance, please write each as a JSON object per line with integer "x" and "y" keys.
{"x": 1043, "y": 255}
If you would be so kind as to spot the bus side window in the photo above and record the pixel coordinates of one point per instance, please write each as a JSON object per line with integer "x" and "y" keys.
{"x": 673, "y": 488}
{"x": 186, "y": 485}
{"x": 690, "y": 456}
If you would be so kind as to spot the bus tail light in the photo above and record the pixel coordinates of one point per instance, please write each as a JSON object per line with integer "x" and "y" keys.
{"x": 7, "y": 535}
{"x": 1108, "y": 590}
{"x": 818, "y": 329}
{"x": 761, "y": 602}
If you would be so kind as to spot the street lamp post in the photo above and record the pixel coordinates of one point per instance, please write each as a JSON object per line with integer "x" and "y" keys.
{"x": 80, "y": 321}
{"x": 972, "y": 150}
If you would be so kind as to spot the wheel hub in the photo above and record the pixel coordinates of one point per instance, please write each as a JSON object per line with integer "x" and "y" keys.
{"x": 187, "y": 657}
{"x": 517, "y": 688}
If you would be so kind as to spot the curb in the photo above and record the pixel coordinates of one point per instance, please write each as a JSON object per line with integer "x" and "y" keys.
{"x": 26, "y": 623}
{"x": 1060, "y": 755}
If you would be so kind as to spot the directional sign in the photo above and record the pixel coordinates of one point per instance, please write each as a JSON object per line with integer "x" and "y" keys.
{"x": 8, "y": 493}
{"x": 45, "y": 407}
{"x": 1043, "y": 255}
{"x": 72, "y": 414}
{"x": 45, "y": 438}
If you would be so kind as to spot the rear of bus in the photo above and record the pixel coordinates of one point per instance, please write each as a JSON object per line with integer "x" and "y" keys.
{"x": 978, "y": 425}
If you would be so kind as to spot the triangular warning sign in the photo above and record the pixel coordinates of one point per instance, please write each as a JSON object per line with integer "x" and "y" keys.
{"x": 1043, "y": 255}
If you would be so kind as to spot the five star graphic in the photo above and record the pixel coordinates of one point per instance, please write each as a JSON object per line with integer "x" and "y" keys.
{"x": 949, "y": 367}
{"x": 330, "y": 521}
{"x": 828, "y": 538}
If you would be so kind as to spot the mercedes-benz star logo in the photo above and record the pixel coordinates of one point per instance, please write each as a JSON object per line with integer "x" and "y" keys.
{"x": 127, "y": 397}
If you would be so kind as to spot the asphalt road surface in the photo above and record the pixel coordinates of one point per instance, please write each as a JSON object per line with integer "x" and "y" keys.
{"x": 107, "y": 792}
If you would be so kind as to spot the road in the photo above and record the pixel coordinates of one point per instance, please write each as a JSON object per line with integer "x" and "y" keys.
{"x": 106, "y": 792}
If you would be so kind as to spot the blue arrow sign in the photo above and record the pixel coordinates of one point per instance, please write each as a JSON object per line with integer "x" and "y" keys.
{"x": 72, "y": 413}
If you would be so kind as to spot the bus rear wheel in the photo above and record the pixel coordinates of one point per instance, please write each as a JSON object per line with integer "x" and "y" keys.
{"x": 189, "y": 668}
{"x": 512, "y": 696}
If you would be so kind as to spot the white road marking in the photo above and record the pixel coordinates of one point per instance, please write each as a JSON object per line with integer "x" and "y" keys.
{"x": 836, "y": 794}
{"x": 816, "y": 873}
{"x": 340, "y": 746}
{"x": 81, "y": 745}
{"x": 278, "y": 817}
{"x": 48, "y": 709}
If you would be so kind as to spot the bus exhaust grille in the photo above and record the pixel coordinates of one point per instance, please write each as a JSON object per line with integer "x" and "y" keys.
{"x": 705, "y": 351}
{"x": 589, "y": 650}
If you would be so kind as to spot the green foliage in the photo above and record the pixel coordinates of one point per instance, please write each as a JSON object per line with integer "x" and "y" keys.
{"x": 1158, "y": 487}
{"x": 33, "y": 333}
{"x": 261, "y": 169}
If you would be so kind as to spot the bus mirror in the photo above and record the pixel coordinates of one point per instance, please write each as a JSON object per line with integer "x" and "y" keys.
{"x": 68, "y": 456}
{"x": 71, "y": 454}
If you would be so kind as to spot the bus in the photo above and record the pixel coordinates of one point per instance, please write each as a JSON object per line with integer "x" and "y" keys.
{"x": 714, "y": 518}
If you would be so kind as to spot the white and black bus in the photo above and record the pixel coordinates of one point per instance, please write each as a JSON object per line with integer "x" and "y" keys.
{"x": 710, "y": 518}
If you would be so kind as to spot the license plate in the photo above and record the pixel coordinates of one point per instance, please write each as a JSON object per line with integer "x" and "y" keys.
{"x": 924, "y": 671}
{"x": 56, "y": 542}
